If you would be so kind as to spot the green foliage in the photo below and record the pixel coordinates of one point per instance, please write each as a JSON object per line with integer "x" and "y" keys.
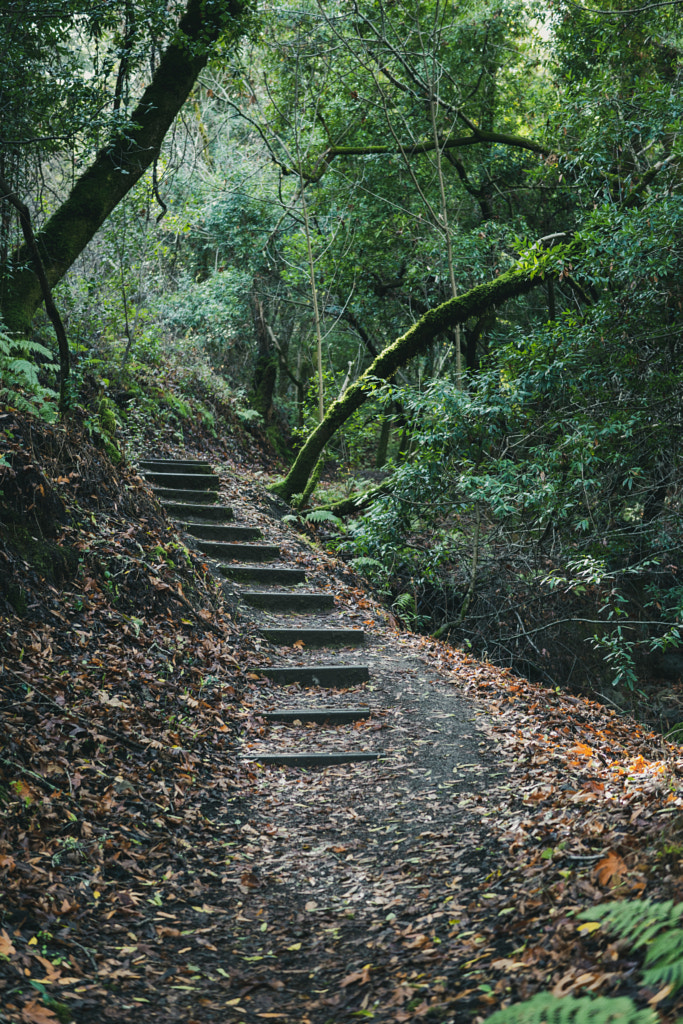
{"x": 107, "y": 417}
{"x": 653, "y": 926}
{"x": 547, "y": 1009}
{"x": 321, "y": 515}
{"x": 645, "y": 924}
{"x": 20, "y": 383}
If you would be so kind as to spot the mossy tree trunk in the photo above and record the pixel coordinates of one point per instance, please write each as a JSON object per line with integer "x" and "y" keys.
{"x": 383, "y": 441}
{"x": 121, "y": 162}
{"x": 456, "y": 311}
{"x": 264, "y": 380}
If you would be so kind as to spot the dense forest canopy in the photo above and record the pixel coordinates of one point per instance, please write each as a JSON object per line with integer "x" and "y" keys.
{"x": 438, "y": 239}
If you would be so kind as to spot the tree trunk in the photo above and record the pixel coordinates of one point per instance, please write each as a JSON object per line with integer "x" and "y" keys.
{"x": 383, "y": 441}
{"x": 456, "y": 311}
{"x": 120, "y": 163}
{"x": 46, "y": 292}
{"x": 264, "y": 381}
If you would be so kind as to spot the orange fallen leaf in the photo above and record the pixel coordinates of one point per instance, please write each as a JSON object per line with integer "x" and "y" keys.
{"x": 610, "y": 868}
{"x": 362, "y": 977}
{"x": 36, "y": 1013}
{"x": 581, "y": 748}
{"x": 658, "y": 996}
{"x": 6, "y": 947}
{"x": 24, "y": 791}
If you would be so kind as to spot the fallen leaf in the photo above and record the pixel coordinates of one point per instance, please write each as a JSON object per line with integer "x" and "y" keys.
{"x": 6, "y": 947}
{"x": 362, "y": 977}
{"x": 658, "y": 996}
{"x": 36, "y": 1013}
{"x": 612, "y": 867}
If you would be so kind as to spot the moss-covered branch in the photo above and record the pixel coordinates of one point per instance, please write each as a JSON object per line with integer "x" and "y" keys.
{"x": 456, "y": 311}
{"x": 121, "y": 162}
{"x": 452, "y": 142}
{"x": 476, "y": 138}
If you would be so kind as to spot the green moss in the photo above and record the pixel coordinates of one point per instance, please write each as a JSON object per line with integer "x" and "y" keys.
{"x": 17, "y": 598}
{"x": 181, "y": 408}
{"x": 477, "y": 300}
{"x": 112, "y": 451}
{"x": 51, "y": 560}
{"x": 107, "y": 418}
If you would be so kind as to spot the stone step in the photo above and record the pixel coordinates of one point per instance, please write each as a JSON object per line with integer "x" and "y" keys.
{"x": 174, "y": 466}
{"x": 247, "y": 552}
{"x": 331, "y": 677}
{"x": 207, "y": 531}
{"x": 185, "y": 481}
{"x": 178, "y": 510}
{"x": 289, "y": 635}
{"x": 314, "y": 760}
{"x": 267, "y": 576}
{"x": 173, "y": 494}
{"x": 284, "y": 601}
{"x": 334, "y": 716}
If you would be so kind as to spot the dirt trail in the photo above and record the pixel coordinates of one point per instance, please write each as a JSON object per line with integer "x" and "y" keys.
{"x": 436, "y": 882}
{"x": 168, "y": 878}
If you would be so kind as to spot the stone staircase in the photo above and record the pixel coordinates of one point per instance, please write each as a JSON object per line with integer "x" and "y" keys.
{"x": 188, "y": 489}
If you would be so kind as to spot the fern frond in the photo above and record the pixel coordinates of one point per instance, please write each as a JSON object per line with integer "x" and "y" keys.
{"x": 637, "y": 920}
{"x": 366, "y": 563}
{"x": 547, "y": 1009}
{"x": 21, "y": 388}
{"x": 322, "y": 515}
{"x": 664, "y": 960}
{"x": 653, "y": 925}
{"x": 21, "y": 368}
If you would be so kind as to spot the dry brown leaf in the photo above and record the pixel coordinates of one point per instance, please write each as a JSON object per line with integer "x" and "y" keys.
{"x": 610, "y": 870}
{"x": 36, "y": 1013}
{"x": 362, "y": 977}
{"x": 658, "y": 996}
{"x": 6, "y": 947}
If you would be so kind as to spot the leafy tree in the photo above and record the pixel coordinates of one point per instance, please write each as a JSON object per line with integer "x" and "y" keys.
{"x": 109, "y": 56}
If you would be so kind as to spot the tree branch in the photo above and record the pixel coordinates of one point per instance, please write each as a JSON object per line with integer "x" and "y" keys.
{"x": 121, "y": 162}
{"x": 64, "y": 359}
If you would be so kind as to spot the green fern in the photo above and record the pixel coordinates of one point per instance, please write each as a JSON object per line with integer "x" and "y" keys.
{"x": 653, "y": 925}
{"x": 322, "y": 515}
{"x": 366, "y": 563}
{"x": 637, "y": 920}
{"x": 20, "y": 386}
{"x": 547, "y": 1009}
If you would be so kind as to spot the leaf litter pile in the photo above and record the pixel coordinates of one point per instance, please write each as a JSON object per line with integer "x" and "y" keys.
{"x": 148, "y": 867}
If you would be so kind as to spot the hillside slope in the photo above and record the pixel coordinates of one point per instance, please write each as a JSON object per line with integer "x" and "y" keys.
{"x": 147, "y": 865}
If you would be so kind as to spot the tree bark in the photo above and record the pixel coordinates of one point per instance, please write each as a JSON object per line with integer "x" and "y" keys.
{"x": 456, "y": 311}
{"x": 46, "y": 292}
{"x": 119, "y": 164}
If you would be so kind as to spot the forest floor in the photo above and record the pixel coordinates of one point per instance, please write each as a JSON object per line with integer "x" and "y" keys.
{"x": 146, "y": 868}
